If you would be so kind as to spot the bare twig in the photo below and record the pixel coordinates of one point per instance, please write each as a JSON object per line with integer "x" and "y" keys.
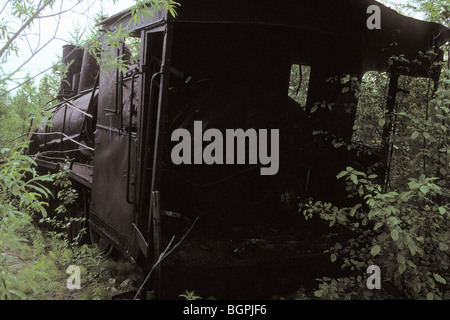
{"x": 25, "y": 25}
{"x": 6, "y": 3}
{"x": 164, "y": 255}
{"x": 64, "y": 135}
{"x": 37, "y": 50}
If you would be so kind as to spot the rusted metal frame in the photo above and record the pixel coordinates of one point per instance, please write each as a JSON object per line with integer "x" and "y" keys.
{"x": 147, "y": 142}
{"x": 80, "y": 179}
{"x": 155, "y": 209}
{"x": 161, "y": 115}
{"x": 144, "y": 116}
{"x": 139, "y": 124}
{"x": 113, "y": 236}
{"x": 130, "y": 136}
{"x": 145, "y": 152}
{"x": 56, "y": 166}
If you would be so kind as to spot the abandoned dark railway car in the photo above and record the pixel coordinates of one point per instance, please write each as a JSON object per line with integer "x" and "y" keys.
{"x": 224, "y": 65}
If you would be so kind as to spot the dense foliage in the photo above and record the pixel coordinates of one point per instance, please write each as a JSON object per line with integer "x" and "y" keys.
{"x": 402, "y": 224}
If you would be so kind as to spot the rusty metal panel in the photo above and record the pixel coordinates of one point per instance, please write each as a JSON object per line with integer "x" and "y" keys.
{"x": 73, "y": 119}
{"x": 109, "y": 201}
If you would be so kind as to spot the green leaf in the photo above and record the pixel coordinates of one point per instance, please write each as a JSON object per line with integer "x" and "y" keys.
{"x": 354, "y": 209}
{"x": 439, "y": 279}
{"x": 378, "y": 225}
{"x": 430, "y": 296}
{"x": 412, "y": 247}
{"x": 424, "y": 189}
{"x": 400, "y": 258}
{"x": 413, "y": 185}
{"x": 414, "y": 135}
{"x": 18, "y": 293}
{"x": 373, "y": 213}
{"x": 394, "y": 220}
{"x": 333, "y": 257}
{"x": 394, "y": 234}
{"x": 443, "y": 246}
{"x": 375, "y": 250}
{"x": 318, "y": 293}
{"x": 401, "y": 268}
{"x": 341, "y": 174}
{"x": 442, "y": 210}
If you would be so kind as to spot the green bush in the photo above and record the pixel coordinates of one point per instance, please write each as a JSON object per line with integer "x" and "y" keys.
{"x": 402, "y": 225}
{"x": 22, "y": 194}
{"x": 405, "y": 233}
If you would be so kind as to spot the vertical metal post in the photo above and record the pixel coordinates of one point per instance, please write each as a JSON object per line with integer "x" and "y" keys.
{"x": 162, "y": 109}
{"x": 159, "y": 143}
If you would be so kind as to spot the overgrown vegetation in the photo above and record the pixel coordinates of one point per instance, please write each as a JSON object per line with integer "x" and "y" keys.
{"x": 33, "y": 262}
{"x": 402, "y": 223}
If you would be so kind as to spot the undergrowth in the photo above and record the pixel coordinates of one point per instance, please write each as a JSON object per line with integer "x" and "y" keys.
{"x": 34, "y": 259}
